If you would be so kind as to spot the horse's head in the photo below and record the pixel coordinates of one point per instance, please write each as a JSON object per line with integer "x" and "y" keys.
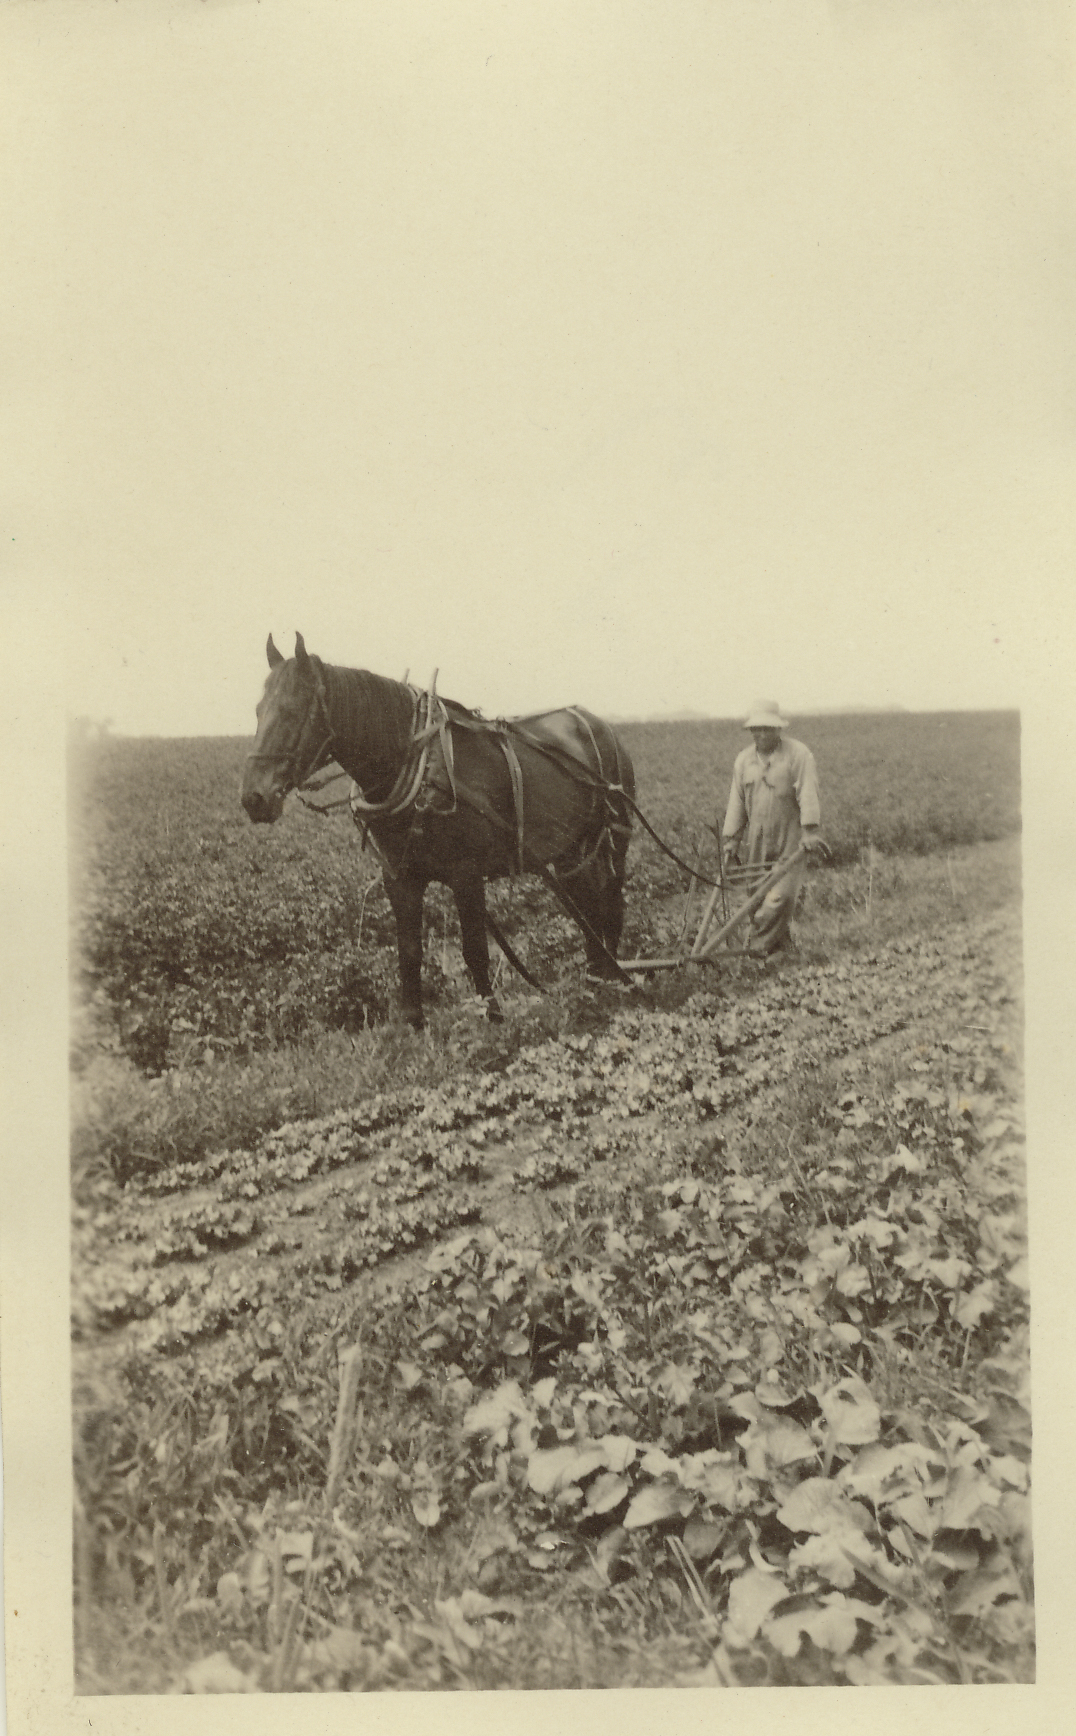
{"x": 294, "y": 733}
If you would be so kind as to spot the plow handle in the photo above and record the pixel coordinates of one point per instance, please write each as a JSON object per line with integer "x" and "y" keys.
{"x": 703, "y": 954}
{"x": 776, "y": 874}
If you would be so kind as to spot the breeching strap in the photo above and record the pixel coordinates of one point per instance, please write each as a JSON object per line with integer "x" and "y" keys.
{"x": 516, "y": 777}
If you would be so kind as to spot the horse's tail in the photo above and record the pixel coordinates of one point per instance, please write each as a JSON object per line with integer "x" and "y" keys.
{"x": 625, "y": 769}
{"x": 622, "y": 795}
{"x": 510, "y": 954}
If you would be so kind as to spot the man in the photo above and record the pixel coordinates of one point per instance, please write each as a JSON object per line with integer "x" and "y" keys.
{"x": 773, "y": 809}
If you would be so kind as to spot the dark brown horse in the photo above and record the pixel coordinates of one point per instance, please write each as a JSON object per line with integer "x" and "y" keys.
{"x": 451, "y": 796}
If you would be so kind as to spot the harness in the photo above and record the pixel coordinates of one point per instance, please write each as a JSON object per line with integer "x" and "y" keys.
{"x": 429, "y": 722}
{"x": 415, "y": 789}
{"x": 432, "y": 718}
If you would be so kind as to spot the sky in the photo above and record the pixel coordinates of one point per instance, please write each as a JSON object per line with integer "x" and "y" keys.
{"x": 649, "y": 358}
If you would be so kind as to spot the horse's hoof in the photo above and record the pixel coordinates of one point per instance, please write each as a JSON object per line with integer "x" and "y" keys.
{"x": 415, "y": 1020}
{"x": 493, "y": 1012}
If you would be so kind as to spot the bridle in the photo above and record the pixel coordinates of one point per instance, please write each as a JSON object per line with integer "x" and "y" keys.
{"x": 401, "y": 797}
{"x": 293, "y": 777}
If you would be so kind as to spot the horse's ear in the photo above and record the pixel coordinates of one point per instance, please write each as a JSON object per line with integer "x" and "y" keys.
{"x": 301, "y": 657}
{"x": 272, "y": 653}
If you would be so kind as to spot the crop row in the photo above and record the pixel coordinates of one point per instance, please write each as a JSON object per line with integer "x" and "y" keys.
{"x": 411, "y": 1155}
{"x": 695, "y": 1386}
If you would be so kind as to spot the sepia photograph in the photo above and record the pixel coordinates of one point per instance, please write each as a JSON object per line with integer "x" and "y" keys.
{"x": 539, "y": 554}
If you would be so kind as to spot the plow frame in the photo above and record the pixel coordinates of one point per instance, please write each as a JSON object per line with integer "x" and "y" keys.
{"x": 704, "y": 947}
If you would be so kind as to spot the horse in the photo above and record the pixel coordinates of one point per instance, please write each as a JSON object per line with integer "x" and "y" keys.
{"x": 445, "y": 794}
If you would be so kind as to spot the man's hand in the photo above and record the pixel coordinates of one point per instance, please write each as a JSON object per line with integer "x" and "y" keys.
{"x": 815, "y": 846}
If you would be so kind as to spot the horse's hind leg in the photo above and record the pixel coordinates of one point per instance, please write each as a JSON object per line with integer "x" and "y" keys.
{"x": 588, "y": 901}
{"x": 405, "y": 897}
{"x": 597, "y": 895}
{"x": 614, "y": 915}
{"x": 613, "y": 895}
{"x": 470, "y": 896}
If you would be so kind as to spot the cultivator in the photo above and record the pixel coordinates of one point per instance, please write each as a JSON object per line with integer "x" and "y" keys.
{"x": 734, "y": 882}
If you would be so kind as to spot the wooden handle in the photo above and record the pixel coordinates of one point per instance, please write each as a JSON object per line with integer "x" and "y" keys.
{"x": 776, "y": 874}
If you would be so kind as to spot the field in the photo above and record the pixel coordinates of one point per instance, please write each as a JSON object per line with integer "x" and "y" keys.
{"x": 671, "y": 1337}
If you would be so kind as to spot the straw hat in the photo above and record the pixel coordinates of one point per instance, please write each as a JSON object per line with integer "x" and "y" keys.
{"x": 764, "y": 714}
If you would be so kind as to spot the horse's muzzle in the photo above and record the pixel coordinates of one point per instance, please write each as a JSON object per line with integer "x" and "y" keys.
{"x": 263, "y": 809}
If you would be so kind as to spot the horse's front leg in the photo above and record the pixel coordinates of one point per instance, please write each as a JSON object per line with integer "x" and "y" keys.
{"x": 405, "y": 896}
{"x": 470, "y": 896}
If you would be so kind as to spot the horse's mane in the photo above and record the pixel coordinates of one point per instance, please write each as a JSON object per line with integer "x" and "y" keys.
{"x": 372, "y": 719}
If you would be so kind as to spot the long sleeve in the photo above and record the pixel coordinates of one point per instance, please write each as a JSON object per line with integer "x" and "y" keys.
{"x": 736, "y": 812}
{"x": 807, "y": 790}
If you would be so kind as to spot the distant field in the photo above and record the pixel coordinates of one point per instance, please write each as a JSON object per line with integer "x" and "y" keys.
{"x": 904, "y": 782}
{"x": 197, "y": 929}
